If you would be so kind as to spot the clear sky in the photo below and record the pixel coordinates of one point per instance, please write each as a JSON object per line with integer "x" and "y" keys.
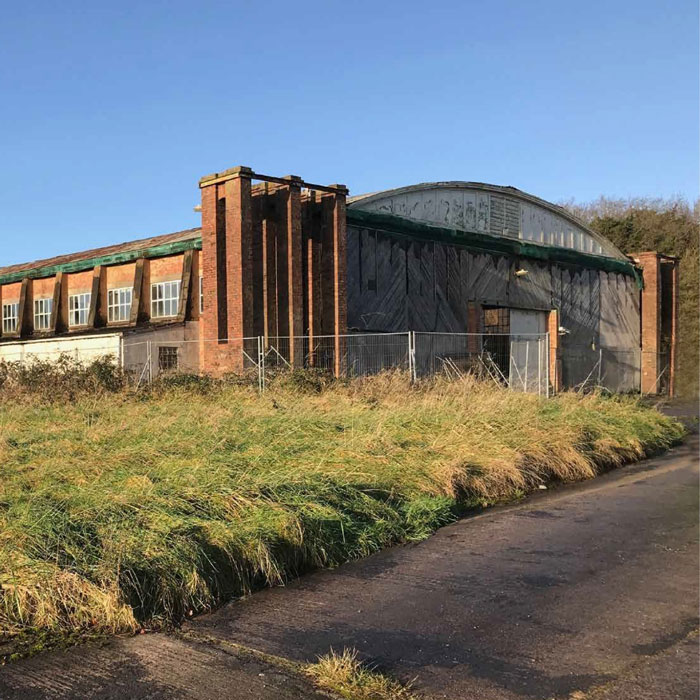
{"x": 111, "y": 111}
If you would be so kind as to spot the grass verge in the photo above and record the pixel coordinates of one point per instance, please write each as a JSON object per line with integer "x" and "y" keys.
{"x": 119, "y": 510}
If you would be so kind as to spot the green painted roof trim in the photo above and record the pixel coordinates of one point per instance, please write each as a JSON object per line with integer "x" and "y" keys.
{"x": 157, "y": 251}
{"x": 483, "y": 242}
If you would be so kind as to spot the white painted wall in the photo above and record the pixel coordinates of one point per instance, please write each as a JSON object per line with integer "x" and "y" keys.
{"x": 85, "y": 348}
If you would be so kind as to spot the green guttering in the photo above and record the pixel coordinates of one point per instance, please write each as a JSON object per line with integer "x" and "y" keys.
{"x": 156, "y": 251}
{"x": 485, "y": 243}
{"x": 396, "y": 225}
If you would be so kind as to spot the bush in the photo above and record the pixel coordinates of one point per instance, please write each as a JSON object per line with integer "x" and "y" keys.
{"x": 63, "y": 379}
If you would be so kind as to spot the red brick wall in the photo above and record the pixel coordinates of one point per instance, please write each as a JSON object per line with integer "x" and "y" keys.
{"x": 650, "y": 320}
{"x": 652, "y": 361}
{"x": 275, "y": 259}
{"x": 554, "y": 359}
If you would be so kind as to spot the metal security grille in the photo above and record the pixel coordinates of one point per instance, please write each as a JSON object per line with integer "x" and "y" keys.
{"x": 496, "y": 325}
{"x": 495, "y": 319}
{"x": 167, "y": 358}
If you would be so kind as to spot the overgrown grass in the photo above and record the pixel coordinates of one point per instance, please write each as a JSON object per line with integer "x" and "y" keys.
{"x": 122, "y": 509}
{"x": 345, "y": 674}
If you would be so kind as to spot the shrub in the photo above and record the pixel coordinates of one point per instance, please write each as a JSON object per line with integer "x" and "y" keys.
{"x": 62, "y": 379}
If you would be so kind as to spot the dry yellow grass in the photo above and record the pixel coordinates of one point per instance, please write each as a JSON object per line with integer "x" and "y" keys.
{"x": 343, "y": 673}
{"x": 135, "y": 509}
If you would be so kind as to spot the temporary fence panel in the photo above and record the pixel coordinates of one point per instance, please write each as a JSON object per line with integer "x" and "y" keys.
{"x": 145, "y": 360}
{"x": 519, "y": 362}
{"x": 353, "y": 355}
{"x": 529, "y": 368}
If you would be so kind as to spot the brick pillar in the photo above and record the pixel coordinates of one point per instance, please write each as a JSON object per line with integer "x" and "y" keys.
{"x": 340, "y": 299}
{"x": 213, "y": 327}
{"x": 313, "y": 279}
{"x": 554, "y": 362}
{"x": 473, "y": 326}
{"x": 239, "y": 255}
{"x": 25, "y": 319}
{"x": 295, "y": 281}
{"x": 659, "y": 321}
{"x": 269, "y": 275}
{"x": 651, "y": 320}
{"x": 226, "y": 266}
{"x": 674, "y": 329}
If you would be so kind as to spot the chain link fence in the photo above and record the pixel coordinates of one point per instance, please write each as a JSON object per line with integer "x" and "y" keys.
{"x": 520, "y": 363}
{"x": 517, "y": 362}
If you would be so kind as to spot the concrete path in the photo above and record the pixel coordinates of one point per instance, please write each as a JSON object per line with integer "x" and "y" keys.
{"x": 151, "y": 667}
{"x": 586, "y": 592}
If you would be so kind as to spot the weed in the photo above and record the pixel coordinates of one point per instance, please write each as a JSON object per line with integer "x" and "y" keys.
{"x": 346, "y": 675}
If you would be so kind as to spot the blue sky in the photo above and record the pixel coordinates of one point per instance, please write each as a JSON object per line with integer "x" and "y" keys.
{"x": 112, "y": 111}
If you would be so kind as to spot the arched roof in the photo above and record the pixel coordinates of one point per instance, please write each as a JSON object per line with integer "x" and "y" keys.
{"x": 492, "y": 209}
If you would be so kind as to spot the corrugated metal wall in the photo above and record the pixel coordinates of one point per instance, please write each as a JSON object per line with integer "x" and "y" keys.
{"x": 396, "y": 284}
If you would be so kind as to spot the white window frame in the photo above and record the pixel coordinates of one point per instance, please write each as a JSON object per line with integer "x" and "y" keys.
{"x": 119, "y": 304}
{"x": 165, "y": 299}
{"x": 79, "y": 308}
{"x": 10, "y": 317}
{"x": 42, "y": 313}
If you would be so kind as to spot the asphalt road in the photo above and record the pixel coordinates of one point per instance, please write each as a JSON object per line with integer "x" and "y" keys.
{"x": 585, "y": 592}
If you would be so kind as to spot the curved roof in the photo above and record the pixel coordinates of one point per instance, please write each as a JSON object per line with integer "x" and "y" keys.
{"x": 493, "y": 209}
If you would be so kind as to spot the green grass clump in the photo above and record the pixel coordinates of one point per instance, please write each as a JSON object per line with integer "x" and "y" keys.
{"x": 119, "y": 510}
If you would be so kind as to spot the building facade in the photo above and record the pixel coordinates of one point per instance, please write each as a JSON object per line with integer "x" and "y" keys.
{"x": 288, "y": 261}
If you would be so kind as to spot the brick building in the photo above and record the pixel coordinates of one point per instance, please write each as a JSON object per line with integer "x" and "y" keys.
{"x": 279, "y": 258}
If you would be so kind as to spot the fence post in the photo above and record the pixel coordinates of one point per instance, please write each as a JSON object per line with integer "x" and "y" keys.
{"x": 261, "y": 363}
{"x": 510, "y": 363}
{"x": 600, "y": 365}
{"x": 150, "y": 363}
{"x": 527, "y": 362}
{"x": 548, "y": 365}
{"x": 412, "y": 355}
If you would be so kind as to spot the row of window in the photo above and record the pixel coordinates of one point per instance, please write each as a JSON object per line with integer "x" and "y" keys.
{"x": 165, "y": 297}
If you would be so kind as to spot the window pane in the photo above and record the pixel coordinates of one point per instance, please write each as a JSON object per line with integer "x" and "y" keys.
{"x": 79, "y": 307}
{"x": 42, "y": 314}
{"x": 10, "y": 317}
{"x": 165, "y": 297}
{"x": 119, "y": 304}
